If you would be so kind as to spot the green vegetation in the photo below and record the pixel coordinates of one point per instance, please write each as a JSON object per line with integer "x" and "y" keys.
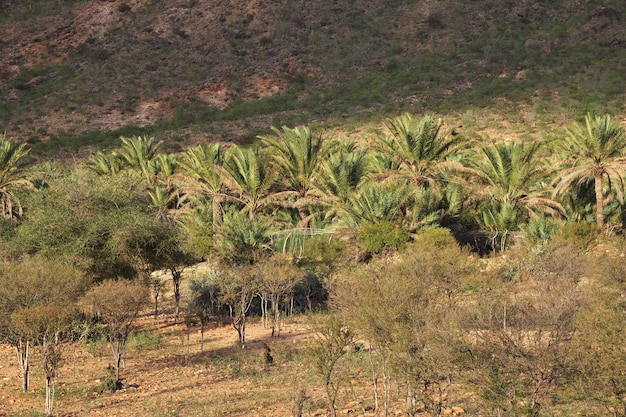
{"x": 363, "y": 227}
{"x": 445, "y": 269}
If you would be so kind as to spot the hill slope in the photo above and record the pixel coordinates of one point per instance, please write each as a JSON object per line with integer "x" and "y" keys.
{"x": 81, "y": 72}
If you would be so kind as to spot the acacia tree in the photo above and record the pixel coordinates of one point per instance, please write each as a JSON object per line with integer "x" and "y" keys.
{"x": 520, "y": 335}
{"x": 47, "y": 326}
{"x": 31, "y": 284}
{"x": 238, "y": 287}
{"x": 79, "y": 217}
{"x": 117, "y": 304}
{"x": 325, "y": 350}
{"x": 599, "y": 353}
{"x": 279, "y": 276}
{"x": 241, "y": 242}
{"x": 148, "y": 244}
{"x": 593, "y": 151}
{"x": 405, "y": 308}
{"x": 203, "y": 299}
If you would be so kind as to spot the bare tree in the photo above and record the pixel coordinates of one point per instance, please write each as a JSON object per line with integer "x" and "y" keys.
{"x": 30, "y": 283}
{"x": 237, "y": 291}
{"x": 117, "y": 304}
{"x": 47, "y": 326}
{"x": 279, "y": 276}
{"x": 327, "y": 347}
{"x": 521, "y": 337}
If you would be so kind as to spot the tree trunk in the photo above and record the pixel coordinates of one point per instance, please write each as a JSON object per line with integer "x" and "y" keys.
{"x": 275, "y": 315}
{"x": 176, "y": 275}
{"x": 118, "y": 362}
{"x": 216, "y": 208}
{"x": 49, "y": 404}
{"x": 374, "y": 382}
{"x": 201, "y": 335}
{"x": 331, "y": 393}
{"x": 597, "y": 177}
{"x": 22, "y": 356}
{"x": 156, "y": 289}
{"x": 118, "y": 347}
{"x": 242, "y": 329}
{"x": 263, "y": 297}
{"x": 188, "y": 344}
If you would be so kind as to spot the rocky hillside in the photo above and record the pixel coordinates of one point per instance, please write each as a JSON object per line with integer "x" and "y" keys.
{"x": 81, "y": 72}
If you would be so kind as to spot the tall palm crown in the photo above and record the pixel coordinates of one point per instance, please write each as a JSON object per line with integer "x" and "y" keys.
{"x": 422, "y": 154}
{"x": 11, "y": 175}
{"x": 201, "y": 178}
{"x": 594, "y": 151}
{"x": 375, "y": 202}
{"x": 248, "y": 178}
{"x": 298, "y": 154}
{"x": 342, "y": 172}
{"x": 513, "y": 174}
{"x": 138, "y": 153}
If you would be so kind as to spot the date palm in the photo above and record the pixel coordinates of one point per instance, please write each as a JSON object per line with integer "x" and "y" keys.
{"x": 11, "y": 176}
{"x": 512, "y": 180}
{"x": 164, "y": 200}
{"x": 418, "y": 151}
{"x": 375, "y": 202}
{"x": 201, "y": 178}
{"x": 248, "y": 179}
{"x": 340, "y": 176}
{"x": 513, "y": 175}
{"x": 595, "y": 150}
{"x": 298, "y": 154}
{"x": 138, "y": 153}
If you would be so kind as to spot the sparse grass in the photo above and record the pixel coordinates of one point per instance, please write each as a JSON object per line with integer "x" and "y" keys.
{"x": 372, "y": 61}
{"x": 146, "y": 339}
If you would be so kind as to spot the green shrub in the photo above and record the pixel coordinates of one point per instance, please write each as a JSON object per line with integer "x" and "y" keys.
{"x": 540, "y": 230}
{"x": 383, "y": 235}
{"x": 110, "y": 383}
{"x": 145, "y": 340}
{"x": 580, "y": 234}
{"x": 435, "y": 238}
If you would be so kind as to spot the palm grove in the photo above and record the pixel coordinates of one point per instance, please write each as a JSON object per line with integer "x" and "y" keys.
{"x": 298, "y": 220}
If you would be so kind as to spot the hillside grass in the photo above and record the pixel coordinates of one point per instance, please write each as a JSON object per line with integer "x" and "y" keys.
{"x": 537, "y": 67}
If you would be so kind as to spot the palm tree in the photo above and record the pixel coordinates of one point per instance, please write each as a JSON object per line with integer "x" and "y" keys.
{"x": 375, "y": 202}
{"x": 11, "y": 175}
{"x": 201, "y": 178}
{"x": 594, "y": 151}
{"x": 512, "y": 173}
{"x": 249, "y": 179}
{"x": 416, "y": 150}
{"x": 511, "y": 179}
{"x": 341, "y": 173}
{"x": 138, "y": 153}
{"x": 242, "y": 241}
{"x": 297, "y": 153}
{"x": 164, "y": 200}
